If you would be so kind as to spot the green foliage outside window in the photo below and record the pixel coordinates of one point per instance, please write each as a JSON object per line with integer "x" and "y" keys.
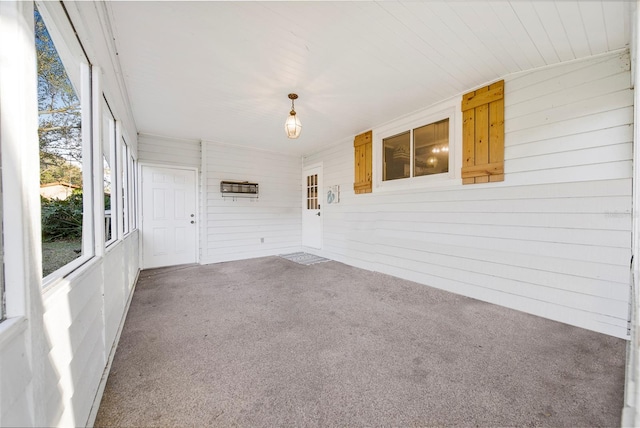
{"x": 61, "y": 154}
{"x": 62, "y": 219}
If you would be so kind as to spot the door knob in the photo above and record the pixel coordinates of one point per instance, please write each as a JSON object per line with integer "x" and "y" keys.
{"x": 318, "y": 214}
{"x": 192, "y": 222}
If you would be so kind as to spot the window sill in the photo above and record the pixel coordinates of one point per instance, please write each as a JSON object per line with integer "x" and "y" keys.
{"x": 65, "y": 271}
{"x": 53, "y": 285}
{"x": 111, "y": 246}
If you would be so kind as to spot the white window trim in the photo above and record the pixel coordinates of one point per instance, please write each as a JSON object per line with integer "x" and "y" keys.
{"x": 114, "y": 133}
{"x": 449, "y": 109}
{"x": 127, "y": 171}
{"x": 128, "y": 187}
{"x": 64, "y": 38}
{"x": 133, "y": 186}
{"x": 98, "y": 173}
{"x": 116, "y": 206}
{"x": 18, "y": 124}
{"x": 124, "y": 186}
{"x": 87, "y": 179}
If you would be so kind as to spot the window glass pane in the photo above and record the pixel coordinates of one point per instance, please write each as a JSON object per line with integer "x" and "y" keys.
{"x": 108, "y": 163}
{"x": 431, "y": 148}
{"x": 396, "y": 156}
{"x": 61, "y": 156}
{"x": 312, "y": 192}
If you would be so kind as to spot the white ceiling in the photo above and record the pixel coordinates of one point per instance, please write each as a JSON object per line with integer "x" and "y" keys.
{"x": 221, "y": 71}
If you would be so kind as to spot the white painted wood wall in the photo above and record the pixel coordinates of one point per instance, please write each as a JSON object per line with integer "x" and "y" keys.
{"x": 56, "y": 343}
{"x": 237, "y": 228}
{"x": 246, "y": 227}
{"x": 168, "y": 151}
{"x": 553, "y": 239}
{"x": 51, "y": 363}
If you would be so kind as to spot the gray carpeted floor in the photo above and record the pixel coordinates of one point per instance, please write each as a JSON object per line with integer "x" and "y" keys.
{"x": 268, "y": 342}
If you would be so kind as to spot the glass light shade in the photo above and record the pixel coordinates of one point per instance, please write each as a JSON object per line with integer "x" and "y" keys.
{"x": 293, "y": 126}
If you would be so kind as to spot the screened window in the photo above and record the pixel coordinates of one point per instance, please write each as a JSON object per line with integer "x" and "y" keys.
{"x": 417, "y": 152}
{"x": 64, "y": 142}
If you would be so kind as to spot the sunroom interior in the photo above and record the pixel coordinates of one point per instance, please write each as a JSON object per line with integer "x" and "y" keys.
{"x": 168, "y": 101}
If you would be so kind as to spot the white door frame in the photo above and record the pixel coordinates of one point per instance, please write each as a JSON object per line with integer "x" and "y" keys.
{"x": 142, "y": 164}
{"x": 321, "y": 202}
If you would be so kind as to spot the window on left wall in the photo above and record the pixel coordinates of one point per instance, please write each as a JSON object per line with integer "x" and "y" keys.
{"x": 64, "y": 146}
{"x": 109, "y": 174}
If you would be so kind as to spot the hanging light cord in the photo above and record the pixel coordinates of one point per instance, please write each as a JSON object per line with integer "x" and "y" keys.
{"x": 293, "y": 97}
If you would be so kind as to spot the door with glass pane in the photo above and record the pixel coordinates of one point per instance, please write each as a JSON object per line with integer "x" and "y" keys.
{"x": 311, "y": 207}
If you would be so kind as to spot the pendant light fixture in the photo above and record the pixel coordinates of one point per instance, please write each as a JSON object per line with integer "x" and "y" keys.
{"x": 293, "y": 126}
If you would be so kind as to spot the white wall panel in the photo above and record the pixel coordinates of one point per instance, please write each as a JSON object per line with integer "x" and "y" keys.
{"x": 115, "y": 290}
{"x": 240, "y": 228}
{"x": 16, "y": 375}
{"x": 74, "y": 325}
{"x": 553, "y": 239}
{"x": 81, "y": 319}
{"x": 168, "y": 151}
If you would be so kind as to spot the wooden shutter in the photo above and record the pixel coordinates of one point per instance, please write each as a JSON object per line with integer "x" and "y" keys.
{"x": 363, "y": 162}
{"x": 483, "y": 135}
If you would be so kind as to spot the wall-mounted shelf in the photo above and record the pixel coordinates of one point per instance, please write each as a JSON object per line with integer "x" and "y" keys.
{"x": 238, "y": 189}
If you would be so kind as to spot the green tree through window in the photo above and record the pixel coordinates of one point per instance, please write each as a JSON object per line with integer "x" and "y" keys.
{"x": 61, "y": 152}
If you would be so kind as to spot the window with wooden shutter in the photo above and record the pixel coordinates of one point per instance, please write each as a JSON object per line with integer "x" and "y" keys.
{"x": 363, "y": 162}
{"x": 483, "y": 135}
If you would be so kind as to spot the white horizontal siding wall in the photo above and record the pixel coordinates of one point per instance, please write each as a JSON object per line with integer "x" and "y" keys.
{"x": 121, "y": 269}
{"x": 248, "y": 227}
{"x": 74, "y": 322}
{"x": 553, "y": 239}
{"x": 82, "y": 317}
{"x": 168, "y": 151}
{"x": 76, "y": 335}
{"x": 16, "y": 407}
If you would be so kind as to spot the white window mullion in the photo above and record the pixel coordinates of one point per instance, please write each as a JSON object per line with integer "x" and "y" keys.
{"x": 88, "y": 136}
{"x": 98, "y": 169}
{"x": 124, "y": 174}
{"x": 109, "y": 174}
{"x": 411, "y": 154}
{"x": 116, "y": 195}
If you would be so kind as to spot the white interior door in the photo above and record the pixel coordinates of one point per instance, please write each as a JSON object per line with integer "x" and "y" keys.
{"x": 168, "y": 216}
{"x": 312, "y": 203}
